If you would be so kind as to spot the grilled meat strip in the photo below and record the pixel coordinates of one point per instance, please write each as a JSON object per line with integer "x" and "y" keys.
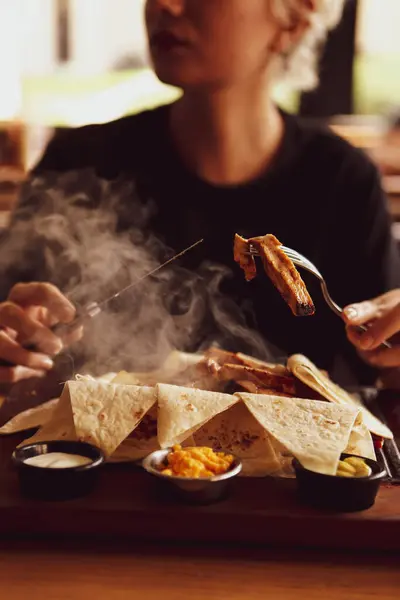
{"x": 249, "y": 361}
{"x": 284, "y": 275}
{"x": 253, "y": 388}
{"x": 260, "y": 377}
{"x": 222, "y": 356}
{"x": 249, "y": 373}
{"x": 242, "y": 256}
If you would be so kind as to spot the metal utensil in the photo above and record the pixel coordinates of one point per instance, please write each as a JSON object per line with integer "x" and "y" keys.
{"x": 95, "y": 308}
{"x": 301, "y": 261}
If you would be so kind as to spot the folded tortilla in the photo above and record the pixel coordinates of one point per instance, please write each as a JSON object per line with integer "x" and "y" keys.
{"x": 140, "y": 442}
{"x": 30, "y": 419}
{"x": 315, "y": 432}
{"x": 360, "y": 441}
{"x": 60, "y": 425}
{"x": 42, "y": 414}
{"x": 182, "y": 411}
{"x": 105, "y": 414}
{"x": 236, "y": 431}
{"x": 310, "y": 375}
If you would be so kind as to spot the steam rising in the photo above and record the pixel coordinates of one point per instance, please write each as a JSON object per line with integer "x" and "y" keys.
{"x": 91, "y": 237}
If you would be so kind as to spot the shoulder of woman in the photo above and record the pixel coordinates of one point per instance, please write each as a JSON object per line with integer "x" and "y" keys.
{"x": 96, "y": 146}
{"x": 335, "y": 150}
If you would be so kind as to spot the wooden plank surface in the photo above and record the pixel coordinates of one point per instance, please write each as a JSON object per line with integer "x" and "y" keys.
{"x": 129, "y": 504}
{"x": 66, "y": 571}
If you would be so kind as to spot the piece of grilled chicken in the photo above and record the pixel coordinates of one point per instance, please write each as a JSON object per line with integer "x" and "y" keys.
{"x": 279, "y": 268}
{"x": 251, "y": 374}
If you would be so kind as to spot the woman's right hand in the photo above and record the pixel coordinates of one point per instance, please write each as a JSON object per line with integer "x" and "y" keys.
{"x": 26, "y": 319}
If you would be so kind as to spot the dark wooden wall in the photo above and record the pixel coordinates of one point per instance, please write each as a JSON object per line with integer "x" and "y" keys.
{"x": 334, "y": 95}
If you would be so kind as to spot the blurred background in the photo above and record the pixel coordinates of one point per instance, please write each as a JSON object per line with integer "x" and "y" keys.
{"x": 65, "y": 63}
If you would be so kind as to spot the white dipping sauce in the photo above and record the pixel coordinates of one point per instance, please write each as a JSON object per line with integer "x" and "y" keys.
{"x": 58, "y": 460}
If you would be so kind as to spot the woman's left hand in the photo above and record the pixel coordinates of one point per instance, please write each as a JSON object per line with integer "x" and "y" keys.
{"x": 382, "y": 315}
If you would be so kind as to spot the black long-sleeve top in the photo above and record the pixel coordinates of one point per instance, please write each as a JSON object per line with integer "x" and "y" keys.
{"x": 320, "y": 196}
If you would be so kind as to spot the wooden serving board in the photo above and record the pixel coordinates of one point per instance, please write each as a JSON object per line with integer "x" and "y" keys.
{"x": 128, "y": 503}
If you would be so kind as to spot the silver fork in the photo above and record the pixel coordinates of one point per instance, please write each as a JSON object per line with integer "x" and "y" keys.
{"x": 301, "y": 261}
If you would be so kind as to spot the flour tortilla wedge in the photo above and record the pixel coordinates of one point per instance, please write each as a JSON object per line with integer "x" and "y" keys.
{"x": 105, "y": 414}
{"x": 40, "y": 415}
{"x": 360, "y": 441}
{"x": 141, "y": 441}
{"x": 236, "y": 431}
{"x": 60, "y": 425}
{"x": 310, "y": 375}
{"x": 315, "y": 432}
{"x": 182, "y": 411}
{"x": 30, "y": 419}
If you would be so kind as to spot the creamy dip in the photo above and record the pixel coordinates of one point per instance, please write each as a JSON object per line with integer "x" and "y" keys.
{"x": 58, "y": 460}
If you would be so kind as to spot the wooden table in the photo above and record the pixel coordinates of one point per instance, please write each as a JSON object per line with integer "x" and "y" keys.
{"x": 64, "y": 572}
{"x": 95, "y": 568}
{"x": 128, "y": 505}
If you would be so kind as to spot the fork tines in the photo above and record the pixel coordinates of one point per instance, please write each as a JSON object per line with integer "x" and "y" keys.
{"x": 253, "y": 251}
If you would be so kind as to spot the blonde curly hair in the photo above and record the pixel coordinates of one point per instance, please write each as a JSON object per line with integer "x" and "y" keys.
{"x": 299, "y": 68}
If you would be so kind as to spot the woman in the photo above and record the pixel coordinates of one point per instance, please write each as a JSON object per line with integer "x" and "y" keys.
{"x": 224, "y": 159}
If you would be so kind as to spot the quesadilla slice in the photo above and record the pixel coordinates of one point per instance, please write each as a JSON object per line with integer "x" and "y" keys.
{"x": 310, "y": 375}
{"x": 105, "y": 414}
{"x": 182, "y": 411}
{"x": 236, "y": 431}
{"x": 360, "y": 441}
{"x": 60, "y": 425}
{"x": 315, "y": 432}
{"x": 141, "y": 441}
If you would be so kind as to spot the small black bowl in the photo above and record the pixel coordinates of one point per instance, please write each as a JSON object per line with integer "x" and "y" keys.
{"x": 340, "y": 494}
{"x": 57, "y": 484}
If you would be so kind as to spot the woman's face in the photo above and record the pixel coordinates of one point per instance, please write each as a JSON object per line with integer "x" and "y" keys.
{"x": 210, "y": 43}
